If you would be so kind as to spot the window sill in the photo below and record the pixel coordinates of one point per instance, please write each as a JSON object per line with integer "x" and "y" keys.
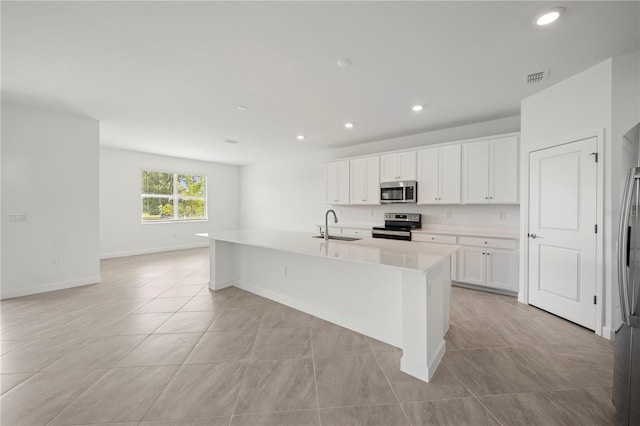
{"x": 155, "y": 222}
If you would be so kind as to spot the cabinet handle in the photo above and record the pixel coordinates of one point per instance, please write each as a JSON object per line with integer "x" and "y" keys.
{"x": 486, "y": 198}
{"x": 486, "y": 242}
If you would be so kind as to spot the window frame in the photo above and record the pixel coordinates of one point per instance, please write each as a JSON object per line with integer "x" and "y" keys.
{"x": 176, "y": 197}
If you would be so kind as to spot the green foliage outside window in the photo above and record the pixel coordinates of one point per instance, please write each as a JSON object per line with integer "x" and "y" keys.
{"x": 171, "y": 196}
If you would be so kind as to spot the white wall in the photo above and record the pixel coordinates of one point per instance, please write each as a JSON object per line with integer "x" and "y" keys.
{"x": 601, "y": 98}
{"x": 121, "y": 230}
{"x": 289, "y": 193}
{"x": 50, "y": 173}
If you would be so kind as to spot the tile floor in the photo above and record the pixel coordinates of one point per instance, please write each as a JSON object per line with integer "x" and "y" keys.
{"x": 152, "y": 345}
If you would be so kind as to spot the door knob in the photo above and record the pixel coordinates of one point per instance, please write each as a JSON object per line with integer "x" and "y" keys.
{"x": 533, "y": 236}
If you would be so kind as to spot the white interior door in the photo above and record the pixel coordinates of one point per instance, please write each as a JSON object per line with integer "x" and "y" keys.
{"x": 562, "y": 238}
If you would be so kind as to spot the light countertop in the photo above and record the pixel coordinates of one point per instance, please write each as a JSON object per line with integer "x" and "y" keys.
{"x": 415, "y": 256}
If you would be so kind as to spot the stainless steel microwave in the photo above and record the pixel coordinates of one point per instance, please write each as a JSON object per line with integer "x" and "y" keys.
{"x": 399, "y": 192}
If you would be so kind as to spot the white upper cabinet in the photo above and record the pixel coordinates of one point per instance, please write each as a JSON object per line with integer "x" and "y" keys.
{"x": 337, "y": 182}
{"x": 439, "y": 175}
{"x": 398, "y": 167}
{"x": 365, "y": 180}
{"x": 504, "y": 170}
{"x": 490, "y": 171}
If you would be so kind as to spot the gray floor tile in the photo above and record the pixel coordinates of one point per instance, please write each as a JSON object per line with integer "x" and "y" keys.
{"x": 136, "y": 324}
{"x": 443, "y": 385}
{"x": 372, "y": 415}
{"x": 9, "y": 381}
{"x": 121, "y": 395}
{"x": 523, "y": 409}
{"x": 333, "y": 340}
{"x": 187, "y": 322}
{"x": 38, "y": 354}
{"x": 350, "y": 381}
{"x": 182, "y": 290}
{"x": 204, "y": 390}
{"x": 450, "y": 412}
{"x": 161, "y": 349}
{"x": 282, "y": 343}
{"x": 283, "y": 385}
{"x": 592, "y": 406}
{"x": 223, "y": 346}
{"x": 286, "y": 418}
{"x": 164, "y": 304}
{"x": 205, "y": 303}
{"x": 99, "y": 352}
{"x": 235, "y": 319}
{"x": 491, "y": 372}
{"x": 284, "y": 317}
{"x": 209, "y": 421}
{"x": 41, "y": 397}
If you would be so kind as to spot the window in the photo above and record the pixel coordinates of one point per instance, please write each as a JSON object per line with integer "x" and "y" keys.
{"x": 173, "y": 197}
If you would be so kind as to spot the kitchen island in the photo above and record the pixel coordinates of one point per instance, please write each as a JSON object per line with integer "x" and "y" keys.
{"x": 395, "y": 291}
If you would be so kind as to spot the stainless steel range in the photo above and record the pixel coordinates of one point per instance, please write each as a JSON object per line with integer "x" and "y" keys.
{"x": 397, "y": 226}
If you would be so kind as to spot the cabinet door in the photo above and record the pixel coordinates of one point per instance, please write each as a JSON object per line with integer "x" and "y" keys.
{"x": 343, "y": 182}
{"x": 331, "y": 186}
{"x": 471, "y": 266}
{"x": 365, "y": 180}
{"x": 428, "y": 176}
{"x": 358, "y": 179}
{"x": 449, "y": 174}
{"x": 475, "y": 172}
{"x": 501, "y": 269}
{"x": 337, "y": 182}
{"x": 389, "y": 168}
{"x": 407, "y": 165}
{"x": 503, "y": 170}
{"x": 372, "y": 180}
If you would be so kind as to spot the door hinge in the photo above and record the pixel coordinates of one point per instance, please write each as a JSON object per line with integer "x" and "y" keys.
{"x": 595, "y": 228}
{"x": 595, "y": 299}
{"x": 595, "y": 156}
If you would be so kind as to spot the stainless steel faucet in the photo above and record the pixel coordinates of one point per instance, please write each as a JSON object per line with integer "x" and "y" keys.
{"x": 326, "y": 223}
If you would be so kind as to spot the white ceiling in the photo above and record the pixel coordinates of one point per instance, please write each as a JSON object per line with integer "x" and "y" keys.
{"x": 167, "y": 77}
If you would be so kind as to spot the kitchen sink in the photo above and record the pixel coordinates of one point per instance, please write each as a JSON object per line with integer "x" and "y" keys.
{"x": 338, "y": 237}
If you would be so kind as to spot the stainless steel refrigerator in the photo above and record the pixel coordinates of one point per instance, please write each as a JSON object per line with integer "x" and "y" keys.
{"x": 626, "y": 369}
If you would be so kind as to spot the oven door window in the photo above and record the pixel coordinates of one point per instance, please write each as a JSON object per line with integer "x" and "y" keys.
{"x": 392, "y": 194}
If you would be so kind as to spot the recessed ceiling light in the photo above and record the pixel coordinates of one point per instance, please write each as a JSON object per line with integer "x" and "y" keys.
{"x": 231, "y": 141}
{"x": 344, "y": 62}
{"x": 348, "y": 125}
{"x": 300, "y": 137}
{"x": 549, "y": 16}
{"x": 242, "y": 107}
{"x": 416, "y": 108}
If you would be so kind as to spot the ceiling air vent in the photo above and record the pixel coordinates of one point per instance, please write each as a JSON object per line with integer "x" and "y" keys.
{"x": 537, "y": 77}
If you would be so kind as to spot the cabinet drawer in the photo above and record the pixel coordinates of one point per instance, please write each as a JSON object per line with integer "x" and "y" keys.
{"x": 434, "y": 238}
{"x": 488, "y": 242}
{"x": 357, "y": 232}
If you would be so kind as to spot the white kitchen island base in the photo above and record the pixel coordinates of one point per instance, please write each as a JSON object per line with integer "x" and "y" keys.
{"x": 396, "y": 292}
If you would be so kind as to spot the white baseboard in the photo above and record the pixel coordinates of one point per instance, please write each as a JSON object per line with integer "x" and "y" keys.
{"x": 43, "y": 288}
{"x": 608, "y": 333}
{"x": 152, "y": 250}
{"x": 421, "y": 371}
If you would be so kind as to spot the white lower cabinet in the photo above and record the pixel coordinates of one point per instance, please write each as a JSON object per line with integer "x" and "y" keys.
{"x": 488, "y": 267}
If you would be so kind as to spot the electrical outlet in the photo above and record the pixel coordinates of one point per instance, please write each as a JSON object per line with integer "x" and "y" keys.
{"x": 54, "y": 261}
{"x": 17, "y": 217}
{"x": 175, "y": 236}
{"x": 448, "y": 215}
{"x": 284, "y": 271}
{"x": 502, "y": 215}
